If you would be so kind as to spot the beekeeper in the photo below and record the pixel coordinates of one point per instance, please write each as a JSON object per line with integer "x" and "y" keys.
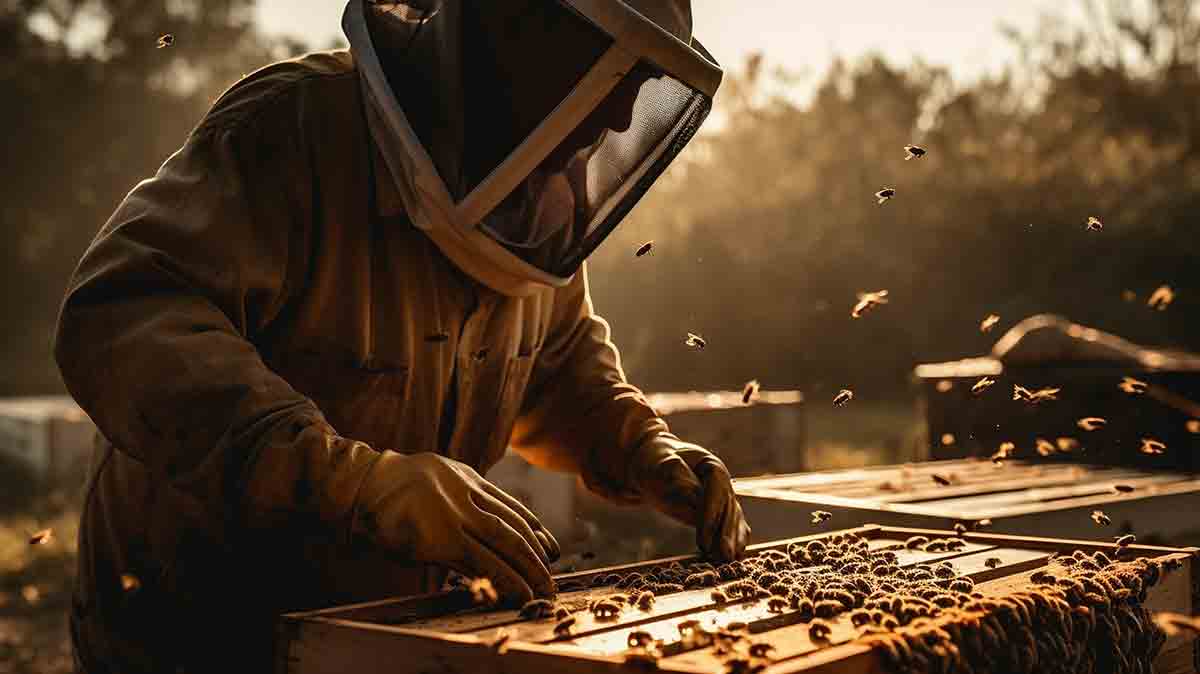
{"x": 359, "y": 281}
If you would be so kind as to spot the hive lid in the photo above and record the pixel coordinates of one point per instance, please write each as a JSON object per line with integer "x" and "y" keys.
{"x": 1046, "y": 340}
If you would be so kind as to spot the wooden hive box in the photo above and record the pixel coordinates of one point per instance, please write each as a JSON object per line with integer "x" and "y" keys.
{"x": 442, "y": 633}
{"x": 1088, "y": 366}
{"x": 1019, "y": 497}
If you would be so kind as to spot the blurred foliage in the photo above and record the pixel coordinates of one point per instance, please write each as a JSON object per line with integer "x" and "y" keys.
{"x": 767, "y": 228}
{"x": 91, "y": 107}
{"x": 767, "y": 231}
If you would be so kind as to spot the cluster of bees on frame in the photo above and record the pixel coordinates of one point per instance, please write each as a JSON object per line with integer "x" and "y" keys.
{"x": 1086, "y": 607}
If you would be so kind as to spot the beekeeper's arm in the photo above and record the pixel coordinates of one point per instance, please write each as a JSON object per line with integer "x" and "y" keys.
{"x": 581, "y": 415}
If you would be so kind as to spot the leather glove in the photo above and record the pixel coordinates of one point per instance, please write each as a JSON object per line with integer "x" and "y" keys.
{"x": 692, "y": 485}
{"x": 433, "y": 509}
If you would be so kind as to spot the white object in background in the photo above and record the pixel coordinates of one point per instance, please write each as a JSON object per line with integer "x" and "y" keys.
{"x": 49, "y": 434}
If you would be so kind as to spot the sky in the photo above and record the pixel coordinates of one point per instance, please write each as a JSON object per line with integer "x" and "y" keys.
{"x": 801, "y": 35}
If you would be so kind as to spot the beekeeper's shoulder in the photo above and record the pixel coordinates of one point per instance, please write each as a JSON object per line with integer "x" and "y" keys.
{"x": 282, "y": 92}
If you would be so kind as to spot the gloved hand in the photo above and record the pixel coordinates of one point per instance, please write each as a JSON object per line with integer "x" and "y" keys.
{"x": 692, "y": 485}
{"x": 430, "y": 508}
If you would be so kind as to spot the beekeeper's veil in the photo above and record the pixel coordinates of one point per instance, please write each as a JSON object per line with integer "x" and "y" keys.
{"x": 518, "y": 168}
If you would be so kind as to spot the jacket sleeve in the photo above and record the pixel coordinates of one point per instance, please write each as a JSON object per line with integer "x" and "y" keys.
{"x": 580, "y": 414}
{"x": 156, "y": 335}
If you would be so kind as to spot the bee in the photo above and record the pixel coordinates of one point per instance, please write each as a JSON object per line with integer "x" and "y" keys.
{"x": 1044, "y": 447}
{"x": 537, "y": 608}
{"x": 844, "y": 396}
{"x": 1004, "y": 452}
{"x": 165, "y": 40}
{"x": 1091, "y": 423}
{"x": 913, "y": 152}
{"x": 640, "y": 639}
{"x": 499, "y": 645}
{"x": 701, "y": 579}
{"x": 1094, "y": 224}
{"x": 884, "y": 194}
{"x": 1192, "y": 426}
{"x": 960, "y": 528}
{"x": 777, "y": 604}
{"x": 719, "y": 597}
{"x": 42, "y": 537}
{"x": 1066, "y": 444}
{"x": 130, "y": 583}
{"x": 1035, "y": 397}
{"x": 695, "y": 341}
{"x": 564, "y": 627}
{"x": 750, "y": 391}
{"x": 760, "y": 650}
{"x": 982, "y": 385}
{"x": 819, "y": 630}
{"x": 1152, "y": 446}
{"x": 644, "y": 249}
{"x": 645, "y": 600}
{"x": 983, "y": 523}
{"x": 941, "y": 480}
{"x": 821, "y": 516}
{"x": 1123, "y": 488}
{"x": 605, "y": 609}
{"x": 988, "y": 323}
{"x": 1161, "y": 298}
{"x": 1100, "y": 518}
{"x": 1127, "y": 539}
{"x": 915, "y": 542}
{"x": 482, "y": 591}
{"x": 944, "y": 386}
{"x": 948, "y": 439}
{"x": 1132, "y": 386}
{"x": 992, "y": 562}
{"x": 438, "y": 338}
{"x": 867, "y": 302}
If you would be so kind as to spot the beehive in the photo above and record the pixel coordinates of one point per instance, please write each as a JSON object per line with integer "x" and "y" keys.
{"x": 921, "y": 600}
{"x": 1053, "y": 500}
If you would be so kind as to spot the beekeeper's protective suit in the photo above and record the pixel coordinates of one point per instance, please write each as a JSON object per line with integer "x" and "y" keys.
{"x": 356, "y": 284}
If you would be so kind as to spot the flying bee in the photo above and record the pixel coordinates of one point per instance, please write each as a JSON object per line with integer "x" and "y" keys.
{"x": 1066, "y": 444}
{"x": 1094, "y": 224}
{"x": 165, "y": 41}
{"x": 42, "y": 537}
{"x": 982, "y": 385}
{"x": 948, "y": 439}
{"x": 988, "y": 323}
{"x": 1192, "y": 425}
{"x": 1044, "y": 447}
{"x": 695, "y": 341}
{"x": 913, "y": 152}
{"x": 750, "y": 391}
{"x": 884, "y": 194}
{"x": 130, "y": 583}
{"x": 1132, "y": 386}
{"x": 1091, "y": 423}
{"x": 844, "y": 396}
{"x": 644, "y": 249}
{"x": 992, "y": 562}
{"x": 1123, "y": 488}
{"x": 1004, "y": 452}
{"x": 944, "y": 386}
{"x": 1035, "y": 397}
{"x": 821, "y": 516}
{"x": 960, "y": 528}
{"x": 941, "y": 480}
{"x": 1161, "y": 298}
{"x": 983, "y": 523}
{"x": 1100, "y": 518}
{"x": 482, "y": 591}
{"x": 867, "y": 302}
{"x": 1128, "y": 295}
{"x": 1152, "y": 446}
